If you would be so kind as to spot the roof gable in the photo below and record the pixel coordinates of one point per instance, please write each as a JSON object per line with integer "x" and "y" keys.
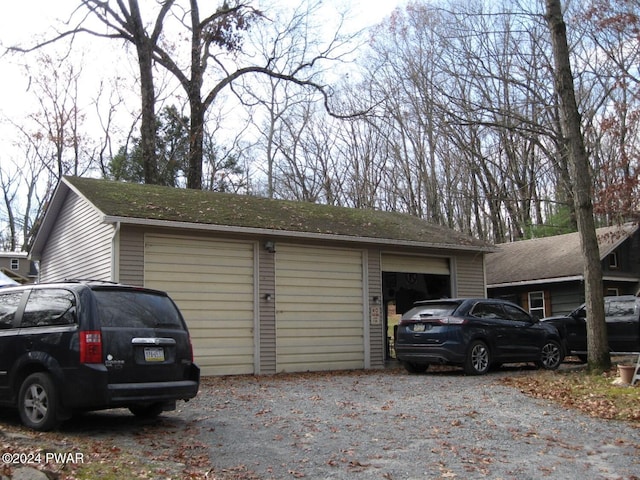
{"x": 549, "y": 257}
{"x": 136, "y": 203}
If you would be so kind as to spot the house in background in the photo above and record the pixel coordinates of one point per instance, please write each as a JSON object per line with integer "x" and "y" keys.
{"x": 545, "y": 275}
{"x": 265, "y": 285}
{"x": 18, "y": 267}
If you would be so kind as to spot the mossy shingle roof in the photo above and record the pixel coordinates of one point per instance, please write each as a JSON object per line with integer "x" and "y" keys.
{"x": 136, "y": 202}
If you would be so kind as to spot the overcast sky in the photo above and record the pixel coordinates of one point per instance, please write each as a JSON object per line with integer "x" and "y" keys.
{"x": 22, "y": 22}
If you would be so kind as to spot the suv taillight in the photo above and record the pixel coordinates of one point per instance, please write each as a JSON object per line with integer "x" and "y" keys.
{"x": 91, "y": 346}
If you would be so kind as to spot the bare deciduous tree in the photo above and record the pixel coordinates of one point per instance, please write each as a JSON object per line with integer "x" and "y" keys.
{"x": 599, "y": 358}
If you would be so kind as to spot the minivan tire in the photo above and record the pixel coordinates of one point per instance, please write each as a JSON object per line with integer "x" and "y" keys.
{"x": 38, "y": 402}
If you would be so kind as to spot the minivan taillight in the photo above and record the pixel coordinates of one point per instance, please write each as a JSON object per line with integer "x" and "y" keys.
{"x": 91, "y": 346}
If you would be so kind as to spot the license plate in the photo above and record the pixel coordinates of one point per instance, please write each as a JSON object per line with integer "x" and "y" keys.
{"x": 418, "y": 327}
{"x": 154, "y": 354}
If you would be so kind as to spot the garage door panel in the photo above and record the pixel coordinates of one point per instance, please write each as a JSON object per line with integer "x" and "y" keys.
{"x": 415, "y": 264}
{"x": 323, "y": 362}
{"x": 336, "y": 338}
{"x": 319, "y": 296}
{"x": 212, "y": 281}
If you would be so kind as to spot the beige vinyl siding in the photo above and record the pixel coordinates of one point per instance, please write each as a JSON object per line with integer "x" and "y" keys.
{"x": 267, "y": 312}
{"x": 131, "y": 256}
{"x": 79, "y": 245}
{"x": 376, "y": 332}
{"x": 415, "y": 264}
{"x": 212, "y": 281}
{"x": 469, "y": 279}
{"x": 319, "y": 308}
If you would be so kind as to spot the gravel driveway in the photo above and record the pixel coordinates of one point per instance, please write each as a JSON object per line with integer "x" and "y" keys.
{"x": 391, "y": 425}
{"x": 360, "y": 425}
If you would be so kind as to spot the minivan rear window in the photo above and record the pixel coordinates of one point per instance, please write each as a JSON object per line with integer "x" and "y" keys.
{"x": 134, "y": 308}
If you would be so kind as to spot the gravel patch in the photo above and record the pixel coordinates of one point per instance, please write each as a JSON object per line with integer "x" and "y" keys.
{"x": 382, "y": 424}
{"x": 391, "y": 425}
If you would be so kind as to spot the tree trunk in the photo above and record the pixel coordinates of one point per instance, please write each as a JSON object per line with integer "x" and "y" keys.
{"x": 599, "y": 358}
{"x": 196, "y": 142}
{"x": 144, "y": 47}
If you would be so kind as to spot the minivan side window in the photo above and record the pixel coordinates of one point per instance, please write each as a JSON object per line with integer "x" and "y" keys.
{"x": 8, "y": 306}
{"x": 50, "y": 306}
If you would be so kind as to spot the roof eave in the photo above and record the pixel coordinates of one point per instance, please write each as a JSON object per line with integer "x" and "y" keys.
{"x": 539, "y": 281}
{"x": 572, "y": 278}
{"x": 289, "y": 233}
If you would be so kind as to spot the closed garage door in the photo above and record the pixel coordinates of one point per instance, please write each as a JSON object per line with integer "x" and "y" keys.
{"x": 319, "y": 309}
{"x": 213, "y": 284}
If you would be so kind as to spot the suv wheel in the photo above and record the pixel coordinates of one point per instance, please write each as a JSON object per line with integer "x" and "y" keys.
{"x": 38, "y": 401}
{"x": 478, "y": 359}
{"x": 550, "y": 356}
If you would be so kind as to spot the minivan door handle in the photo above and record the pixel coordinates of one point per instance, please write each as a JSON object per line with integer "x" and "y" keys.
{"x": 153, "y": 341}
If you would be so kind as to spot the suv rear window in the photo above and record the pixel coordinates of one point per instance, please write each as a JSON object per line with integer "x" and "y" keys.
{"x": 431, "y": 310}
{"x": 125, "y": 308}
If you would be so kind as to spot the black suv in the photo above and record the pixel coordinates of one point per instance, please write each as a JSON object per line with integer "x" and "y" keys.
{"x": 77, "y": 346}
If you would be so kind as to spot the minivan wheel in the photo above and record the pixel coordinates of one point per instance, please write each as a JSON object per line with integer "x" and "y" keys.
{"x": 415, "y": 367}
{"x": 38, "y": 401}
{"x": 550, "y": 356}
{"x": 478, "y": 358}
{"x": 151, "y": 410}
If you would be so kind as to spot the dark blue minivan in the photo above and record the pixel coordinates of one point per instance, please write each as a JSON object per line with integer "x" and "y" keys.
{"x": 76, "y": 346}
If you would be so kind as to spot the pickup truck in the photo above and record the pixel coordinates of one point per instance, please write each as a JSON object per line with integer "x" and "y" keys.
{"x": 622, "y": 315}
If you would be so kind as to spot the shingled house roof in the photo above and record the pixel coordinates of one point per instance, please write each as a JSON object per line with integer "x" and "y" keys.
{"x": 551, "y": 258}
{"x": 165, "y": 206}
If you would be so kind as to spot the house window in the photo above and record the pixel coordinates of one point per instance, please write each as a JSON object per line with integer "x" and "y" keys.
{"x": 536, "y": 304}
{"x": 613, "y": 261}
{"x": 15, "y": 264}
{"x": 612, "y": 292}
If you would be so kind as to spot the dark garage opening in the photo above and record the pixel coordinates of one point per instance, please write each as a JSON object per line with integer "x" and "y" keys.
{"x": 401, "y": 290}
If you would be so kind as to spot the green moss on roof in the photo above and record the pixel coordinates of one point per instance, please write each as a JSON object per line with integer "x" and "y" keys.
{"x": 154, "y": 202}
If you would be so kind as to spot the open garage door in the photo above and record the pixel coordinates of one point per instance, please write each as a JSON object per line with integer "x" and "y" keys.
{"x": 319, "y": 309}
{"x": 407, "y": 279}
{"x": 212, "y": 281}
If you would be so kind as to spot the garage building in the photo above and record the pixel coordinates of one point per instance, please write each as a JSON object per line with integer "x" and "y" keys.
{"x": 265, "y": 285}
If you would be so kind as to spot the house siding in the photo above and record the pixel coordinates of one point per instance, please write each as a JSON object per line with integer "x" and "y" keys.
{"x": 79, "y": 245}
{"x": 468, "y": 280}
{"x": 267, "y": 311}
{"x": 376, "y": 330}
{"x": 131, "y": 256}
